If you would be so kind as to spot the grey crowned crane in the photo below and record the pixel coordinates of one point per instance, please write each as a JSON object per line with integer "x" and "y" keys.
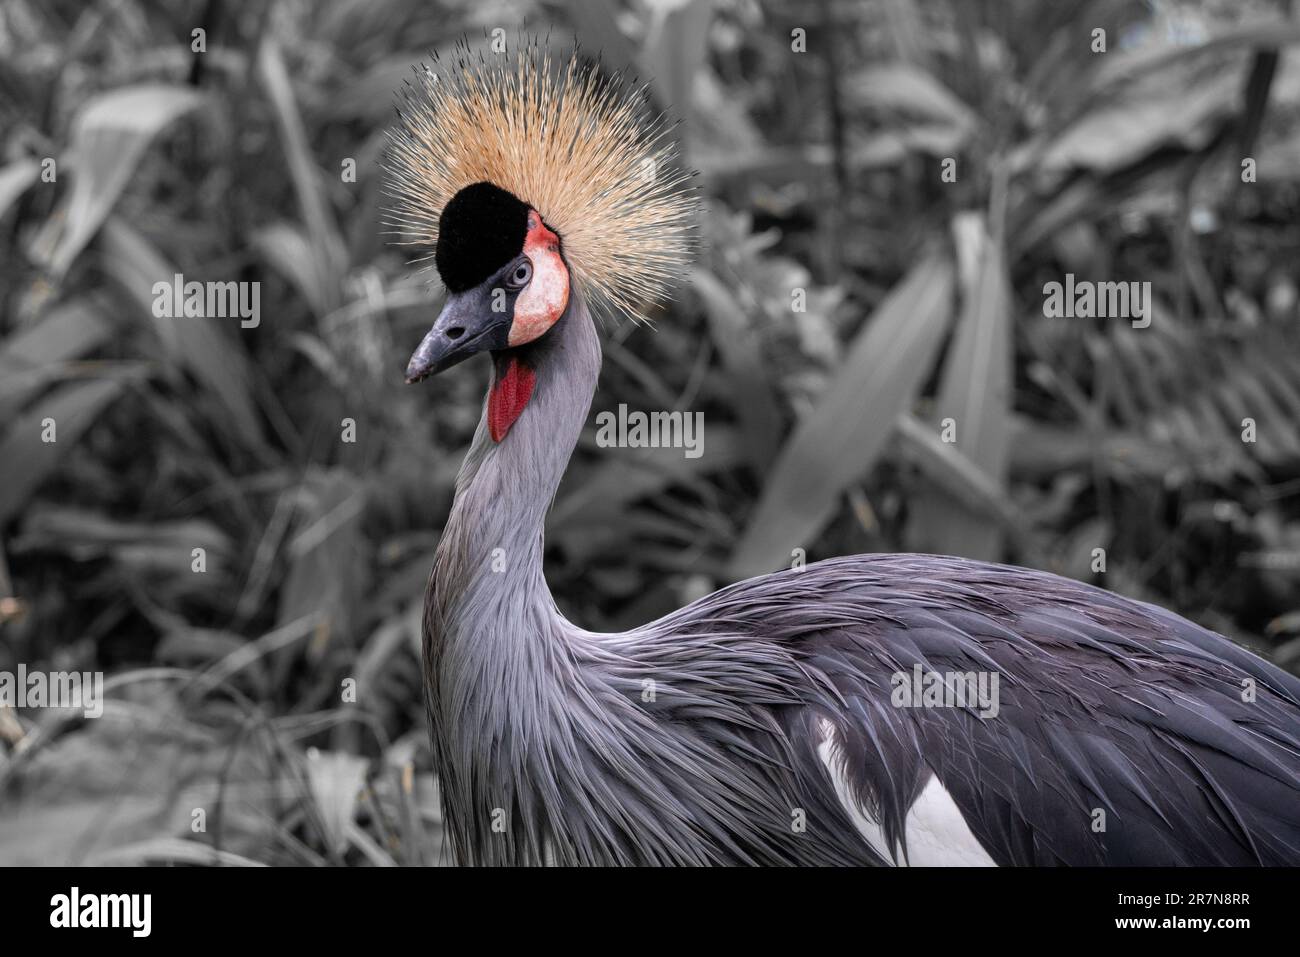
{"x": 779, "y": 730}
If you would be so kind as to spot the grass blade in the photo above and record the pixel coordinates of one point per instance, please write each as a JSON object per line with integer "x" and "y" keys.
{"x": 749, "y": 392}
{"x": 26, "y": 460}
{"x": 839, "y": 441}
{"x": 975, "y": 393}
{"x": 109, "y": 137}
{"x": 14, "y": 180}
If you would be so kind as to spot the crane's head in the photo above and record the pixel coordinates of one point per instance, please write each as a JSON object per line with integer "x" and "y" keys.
{"x": 529, "y": 180}
{"x": 507, "y": 284}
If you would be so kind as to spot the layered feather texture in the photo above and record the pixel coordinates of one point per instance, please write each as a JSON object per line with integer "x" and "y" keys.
{"x": 577, "y": 145}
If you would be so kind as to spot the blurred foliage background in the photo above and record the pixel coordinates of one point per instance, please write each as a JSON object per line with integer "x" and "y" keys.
{"x": 846, "y": 301}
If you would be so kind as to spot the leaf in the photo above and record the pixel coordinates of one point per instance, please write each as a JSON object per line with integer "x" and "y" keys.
{"x": 217, "y": 362}
{"x": 975, "y": 393}
{"x": 1118, "y": 134}
{"x": 840, "y": 439}
{"x": 327, "y": 554}
{"x": 197, "y": 646}
{"x": 109, "y": 137}
{"x": 1126, "y": 69}
{"x": 676, "y": 51}
{"x": 85, "y": 534}
{"x": 604, "y": 493}
{"x": 25, "y": 460}
{"x": 748, "y": 391}
{"x": 35, "y": 355}
{"x": 369, "y": 96}
{"x": 327, "y": 247}
{"x": 953, "y": 472}
{"x": 902, "y": 87}
{"x": 335, "y": 780}
{"x": 596, "y": 21}
{"x": 169, "y": 850}
{"x": 254, "y": 652}
{"x": 14, "y": 180}
{"x": 43, "y": 833}
{"x": 401, "y": 630}
{"x": 289, "y": 250}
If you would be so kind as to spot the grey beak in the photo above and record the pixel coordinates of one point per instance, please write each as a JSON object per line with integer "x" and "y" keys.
{"x": 466, "y": 325}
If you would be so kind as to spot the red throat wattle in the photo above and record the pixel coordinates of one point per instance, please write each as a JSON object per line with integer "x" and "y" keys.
{"x": 510, "y": 393}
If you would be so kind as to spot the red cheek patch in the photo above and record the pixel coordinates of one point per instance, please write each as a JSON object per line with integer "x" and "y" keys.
{"x": 510, "y": 393}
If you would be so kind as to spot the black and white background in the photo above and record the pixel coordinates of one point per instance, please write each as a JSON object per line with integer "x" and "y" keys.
{"x": 231, "y": 518}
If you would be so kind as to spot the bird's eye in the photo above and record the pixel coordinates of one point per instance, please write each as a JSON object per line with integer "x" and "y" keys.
{"x": 521, "y": 274}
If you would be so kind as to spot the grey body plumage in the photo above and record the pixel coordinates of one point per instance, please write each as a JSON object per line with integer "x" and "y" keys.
{"x": 694, "y": 739}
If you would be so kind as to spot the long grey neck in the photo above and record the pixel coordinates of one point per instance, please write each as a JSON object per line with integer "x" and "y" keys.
{"x": 489, "y": 566}
{"x": 499, "y": 659}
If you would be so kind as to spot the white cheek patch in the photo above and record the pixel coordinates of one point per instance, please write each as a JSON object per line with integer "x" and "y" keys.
{"x": 542, "y": 302}
{"x": 545, "y": 297}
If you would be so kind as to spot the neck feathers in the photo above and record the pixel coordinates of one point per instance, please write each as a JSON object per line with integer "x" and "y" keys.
{"x": 492, "y": 633}
{"x": 504, "y": 489}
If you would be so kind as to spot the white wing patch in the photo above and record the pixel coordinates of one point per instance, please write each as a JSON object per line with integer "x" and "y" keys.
{"x": 936, "y": 833}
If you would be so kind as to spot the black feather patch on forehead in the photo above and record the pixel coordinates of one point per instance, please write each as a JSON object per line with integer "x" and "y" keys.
{"x": 481, "y": 229}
